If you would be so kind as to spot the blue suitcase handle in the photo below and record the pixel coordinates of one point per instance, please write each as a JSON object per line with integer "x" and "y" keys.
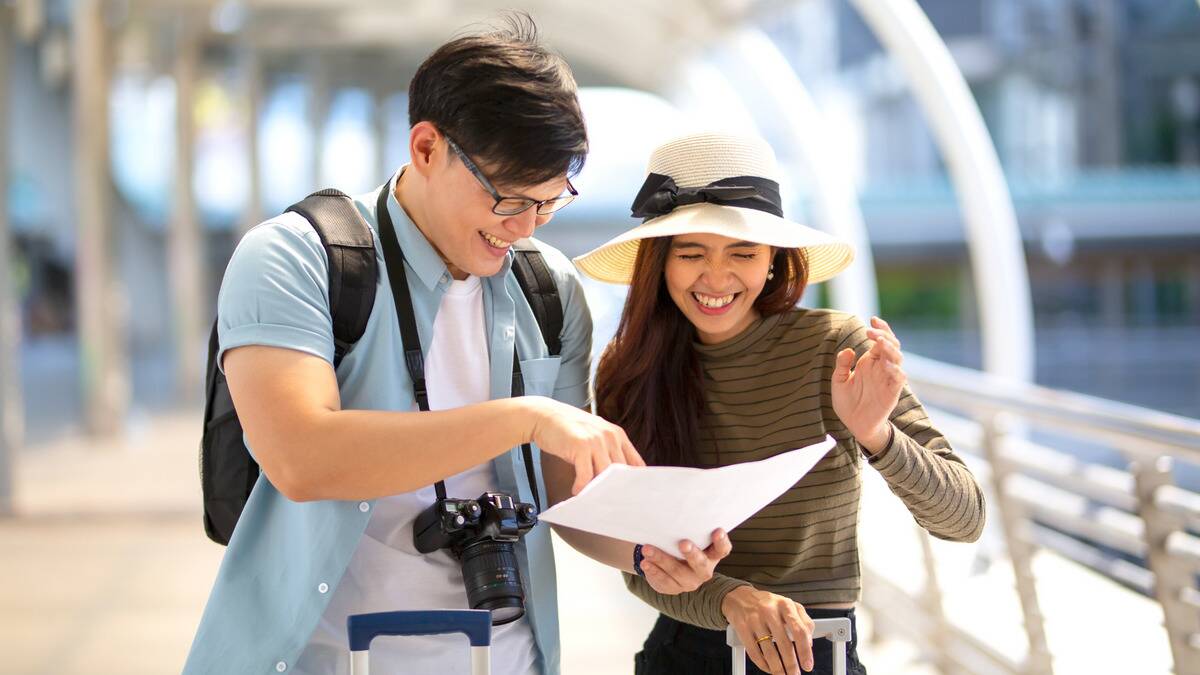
{"x": 476, "y": 624}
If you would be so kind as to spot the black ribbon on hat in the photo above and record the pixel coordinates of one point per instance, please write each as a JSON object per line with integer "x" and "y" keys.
{"x": 660, "y": 195}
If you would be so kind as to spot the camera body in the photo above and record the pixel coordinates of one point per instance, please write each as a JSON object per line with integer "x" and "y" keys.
{"x": 481, "y": 533}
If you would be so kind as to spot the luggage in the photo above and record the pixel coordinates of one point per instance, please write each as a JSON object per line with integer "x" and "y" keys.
{"x": 476, "y": 624}
{"x": 836, "y": 630}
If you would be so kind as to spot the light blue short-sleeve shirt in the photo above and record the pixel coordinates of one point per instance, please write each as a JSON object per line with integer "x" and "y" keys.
{"x": 268, "y": 595}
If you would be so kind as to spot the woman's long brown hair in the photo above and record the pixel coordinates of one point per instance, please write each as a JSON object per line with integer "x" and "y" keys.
{"x": 649, "y": 380}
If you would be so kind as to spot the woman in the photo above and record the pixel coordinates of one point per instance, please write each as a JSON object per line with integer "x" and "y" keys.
{"x": 713, "y": 364}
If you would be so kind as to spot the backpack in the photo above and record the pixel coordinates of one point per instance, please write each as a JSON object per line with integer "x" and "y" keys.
{"x": 227, "y": 470}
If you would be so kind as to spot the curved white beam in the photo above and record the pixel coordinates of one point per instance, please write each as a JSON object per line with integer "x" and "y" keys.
{"x": 993, "y": 239}
{"x": 765, "y": 72}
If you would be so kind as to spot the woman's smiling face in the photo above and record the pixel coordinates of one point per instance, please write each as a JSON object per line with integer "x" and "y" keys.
{"x": 714, "y": 280}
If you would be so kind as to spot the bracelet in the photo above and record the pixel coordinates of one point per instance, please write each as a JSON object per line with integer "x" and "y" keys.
{"x": 637, "y": 560}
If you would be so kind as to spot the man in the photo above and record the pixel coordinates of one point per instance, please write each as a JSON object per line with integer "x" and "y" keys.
{"x": 347, "y": 461}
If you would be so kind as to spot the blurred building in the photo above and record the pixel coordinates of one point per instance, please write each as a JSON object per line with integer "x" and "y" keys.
{"x": 1094, "y": 108}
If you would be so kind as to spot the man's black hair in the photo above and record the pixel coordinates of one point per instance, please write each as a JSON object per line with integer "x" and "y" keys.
{"x": 507, "y": 101}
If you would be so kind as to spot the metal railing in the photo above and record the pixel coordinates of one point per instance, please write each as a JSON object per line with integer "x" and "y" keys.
{"x": 1130, "y": 522}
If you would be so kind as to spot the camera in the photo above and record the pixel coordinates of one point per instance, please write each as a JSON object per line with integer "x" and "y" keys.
{"x": 481, "y": 534}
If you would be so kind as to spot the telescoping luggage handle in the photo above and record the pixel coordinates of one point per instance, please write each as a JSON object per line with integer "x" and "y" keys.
{"x": 837, "y": 630}
{"x": 476, "y": 624}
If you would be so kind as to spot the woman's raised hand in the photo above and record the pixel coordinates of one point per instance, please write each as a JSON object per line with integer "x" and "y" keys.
{"x": 866, "y": 392}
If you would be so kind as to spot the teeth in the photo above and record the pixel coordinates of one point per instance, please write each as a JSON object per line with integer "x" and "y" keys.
{"x": 713, "y": 302}
{"x": 498, "y": 243}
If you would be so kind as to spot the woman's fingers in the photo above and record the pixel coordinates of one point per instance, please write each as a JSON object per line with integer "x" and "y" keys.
{"x": 721, "y": 546}
{"x": 698, "y": 562}
{"x": 748, "y": 638}
{"x": 890, "y": 352}
{"x": 876, "y": 335}
{"x": 763, "y": 652}
{"x": 783, "y": 646}
{"x": 802, "y": 628}
{"x": 682, "y": 573}
{"x": 885, "y": 328}
{"x": 659, "y": 580}
{"x": 845, "y": 360}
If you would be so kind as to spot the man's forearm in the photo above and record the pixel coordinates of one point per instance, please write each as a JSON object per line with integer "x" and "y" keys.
{"x": 364, "y": 454}
{"x": 605, "y": 550}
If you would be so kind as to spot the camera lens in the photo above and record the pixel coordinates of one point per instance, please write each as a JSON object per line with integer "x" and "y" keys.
{"x": 493, "y": 580}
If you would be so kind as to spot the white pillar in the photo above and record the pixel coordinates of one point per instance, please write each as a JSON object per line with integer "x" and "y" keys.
{"x": 318, "y": 112}
{"x": 185, "y": 237}
{"x": 11, "y": 431}
{"x": 104, "y": 363}
{"x": 763, "y": 68}
{"x": 252, "y": 93}
{"x": 380, "y": 124}
{"x": 993, "y": 239}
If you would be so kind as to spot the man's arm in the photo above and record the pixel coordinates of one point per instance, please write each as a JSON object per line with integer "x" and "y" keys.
{"x": 310, "y": 449}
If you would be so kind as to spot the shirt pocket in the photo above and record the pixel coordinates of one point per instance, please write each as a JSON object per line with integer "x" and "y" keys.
{"x": 540, "y": 375}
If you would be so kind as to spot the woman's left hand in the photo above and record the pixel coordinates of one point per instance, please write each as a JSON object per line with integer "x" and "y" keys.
{"x": 671, "y": 576}
{"x": 866, "y": 392}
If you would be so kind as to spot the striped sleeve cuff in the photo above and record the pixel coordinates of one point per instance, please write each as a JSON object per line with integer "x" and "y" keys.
{"x": 701, "y": 607}
{"x": 940, "y": 492}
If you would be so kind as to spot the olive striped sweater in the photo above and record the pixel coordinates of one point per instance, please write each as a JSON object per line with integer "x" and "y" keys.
{"x": 767, "y": 391}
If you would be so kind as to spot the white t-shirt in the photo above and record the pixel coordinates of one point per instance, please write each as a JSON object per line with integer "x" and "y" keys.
{"x": 386, "y": 572}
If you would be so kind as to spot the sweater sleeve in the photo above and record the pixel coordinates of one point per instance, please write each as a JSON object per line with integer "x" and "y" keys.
{"x": 701, "y": 607}
{"x": 920, "y": 467}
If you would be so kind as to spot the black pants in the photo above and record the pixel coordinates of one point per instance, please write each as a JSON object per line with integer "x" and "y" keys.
{"x": 675, "y": 648}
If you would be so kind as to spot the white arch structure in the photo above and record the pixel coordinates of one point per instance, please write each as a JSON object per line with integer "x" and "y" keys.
{"x": 993, "y": 238}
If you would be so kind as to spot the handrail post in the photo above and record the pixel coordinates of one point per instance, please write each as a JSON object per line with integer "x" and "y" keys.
{"x": 1172, "y": 575}
{"x": 1013, "y": 521}
{"x": 934, "y": 608}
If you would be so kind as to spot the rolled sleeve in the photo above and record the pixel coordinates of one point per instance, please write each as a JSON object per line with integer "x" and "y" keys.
{"x": 275, "y": 291}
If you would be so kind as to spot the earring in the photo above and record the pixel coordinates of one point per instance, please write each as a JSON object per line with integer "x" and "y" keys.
{"x": 771, "y": 272}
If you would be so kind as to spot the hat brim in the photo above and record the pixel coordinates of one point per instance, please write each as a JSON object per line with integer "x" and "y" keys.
{"x": 613, "y": 261}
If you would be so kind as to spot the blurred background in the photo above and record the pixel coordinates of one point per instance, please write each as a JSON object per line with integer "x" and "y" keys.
{"x": 1021, "y": 179}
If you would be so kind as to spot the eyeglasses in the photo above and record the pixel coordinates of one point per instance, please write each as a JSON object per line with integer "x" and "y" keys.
{"x": 511, "y": 206}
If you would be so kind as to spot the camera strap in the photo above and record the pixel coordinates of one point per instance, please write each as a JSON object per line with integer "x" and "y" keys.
{"x": 414, "y": 358}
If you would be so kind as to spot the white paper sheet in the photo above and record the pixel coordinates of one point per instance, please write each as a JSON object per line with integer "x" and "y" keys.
{"x": 663, "y": 505}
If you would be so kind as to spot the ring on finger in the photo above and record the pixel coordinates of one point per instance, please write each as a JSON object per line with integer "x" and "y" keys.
{"x": 763, "y": 639}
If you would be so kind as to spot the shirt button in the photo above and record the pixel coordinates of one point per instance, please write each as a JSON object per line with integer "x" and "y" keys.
{"x": 364, "y": 507}
{"x": 323, "y": 588}
{"x": 281, "y": 666}
{"x": 508, "y": 332}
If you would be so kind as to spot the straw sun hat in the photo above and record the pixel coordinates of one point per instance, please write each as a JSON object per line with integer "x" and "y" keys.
{"x": 714, "y": 184}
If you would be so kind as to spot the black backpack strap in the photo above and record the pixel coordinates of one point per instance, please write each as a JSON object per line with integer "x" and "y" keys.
{"x": 353, "y": 270}
{"x": 537, "y": 283}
